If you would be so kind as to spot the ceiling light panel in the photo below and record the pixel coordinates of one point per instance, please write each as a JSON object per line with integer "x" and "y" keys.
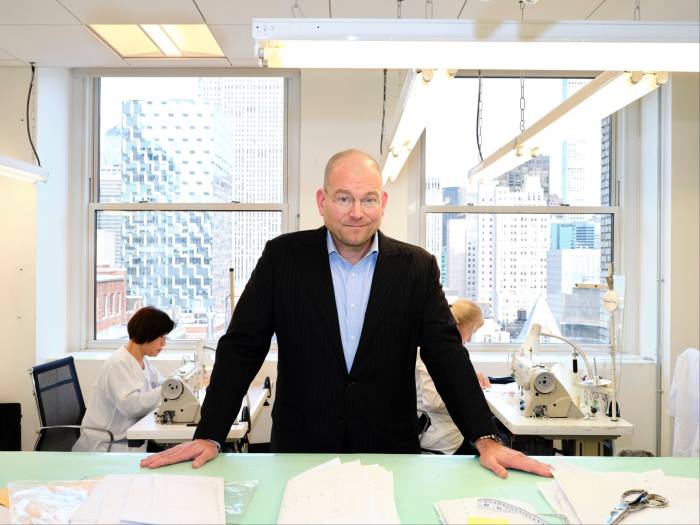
{"x": 128, "y": 40}
{"x": 159, "y": 40}
{"x": 194, "y": 40}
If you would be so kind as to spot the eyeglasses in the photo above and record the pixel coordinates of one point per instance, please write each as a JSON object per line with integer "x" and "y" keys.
{"x": 345, "y": 201}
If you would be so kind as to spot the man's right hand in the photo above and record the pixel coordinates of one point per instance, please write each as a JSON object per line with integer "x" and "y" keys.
{"x": 199, "y": 450}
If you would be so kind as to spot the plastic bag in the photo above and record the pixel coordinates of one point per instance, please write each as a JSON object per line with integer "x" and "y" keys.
{"x": 237, "y": 496}
{"x": 47, "y": 501}
{"x": 56, "y": 501}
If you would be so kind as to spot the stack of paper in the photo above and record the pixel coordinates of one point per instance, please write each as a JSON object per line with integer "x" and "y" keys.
{"x": 154, "y": 500}
{"x": 340, "y": 493}
{"x": 588, "y": 497}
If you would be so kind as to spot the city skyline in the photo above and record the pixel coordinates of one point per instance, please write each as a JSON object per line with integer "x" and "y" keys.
{"x": 196, "y": 149}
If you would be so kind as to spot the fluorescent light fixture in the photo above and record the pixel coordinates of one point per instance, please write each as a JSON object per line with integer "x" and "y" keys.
{"x": 17, "y": 169}
{"x": 193, "y": 40}
{"x": 159, "y": 40}
{"x": 602, "y": 96}
{"x": 127, "y": 40}
{"x": 466, "y": 44}
{"x": 421, "y": 89}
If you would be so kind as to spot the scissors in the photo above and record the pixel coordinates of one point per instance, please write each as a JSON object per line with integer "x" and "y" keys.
{"x": 632, "y": 500}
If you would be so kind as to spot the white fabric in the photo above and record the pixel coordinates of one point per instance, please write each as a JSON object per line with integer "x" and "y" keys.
{"x": 122, "y": 394}
{"x": 684, "y": 404}
{"x": 442, "y": 434}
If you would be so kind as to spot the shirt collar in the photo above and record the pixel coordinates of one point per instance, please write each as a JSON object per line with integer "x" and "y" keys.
{"x": 330, "y": 244}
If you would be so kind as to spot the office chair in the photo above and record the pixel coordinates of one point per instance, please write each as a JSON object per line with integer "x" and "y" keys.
{"x": 59, "y": 402}
{"x": 423, "y": 422}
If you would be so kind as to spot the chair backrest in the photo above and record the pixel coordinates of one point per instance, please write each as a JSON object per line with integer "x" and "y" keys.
{"x": 59, "y": 401}
{"x": 423, "y": 422}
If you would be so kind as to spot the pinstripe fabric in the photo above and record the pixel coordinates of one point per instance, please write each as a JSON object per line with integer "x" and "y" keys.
{"x": 321, "y": 406}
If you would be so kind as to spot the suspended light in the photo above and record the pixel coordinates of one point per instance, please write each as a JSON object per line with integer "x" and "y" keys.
{"x": 602, "y": 96}
{"x": 466, "y": 44}
{"x": 421, "y": 89}
{"x": 17, "y": 169}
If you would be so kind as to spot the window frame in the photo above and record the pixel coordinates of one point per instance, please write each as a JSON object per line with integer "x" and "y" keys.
{"x": 86, "y": 93}
{"x": 613, "y": 209}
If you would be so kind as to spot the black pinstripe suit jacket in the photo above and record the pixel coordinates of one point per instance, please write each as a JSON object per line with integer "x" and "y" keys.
{"x": 320, "y": 406}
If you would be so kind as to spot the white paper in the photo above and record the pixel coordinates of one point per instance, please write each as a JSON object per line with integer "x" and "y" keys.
{"x": 105, "y": 503}
{"x": 336, "y": 492}
{"x": 175, "y": 499}
{"x": 154, "y": 499}
{"x": 552, "y": 493}
{"x": 459, "y": 511}
{"x": 594, "y": 494}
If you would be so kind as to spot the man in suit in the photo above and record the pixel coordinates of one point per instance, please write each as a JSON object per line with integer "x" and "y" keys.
{"x": 350, "y": 307}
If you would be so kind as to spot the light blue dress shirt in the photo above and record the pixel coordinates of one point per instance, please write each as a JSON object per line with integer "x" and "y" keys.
{"x": 351, "y": 284}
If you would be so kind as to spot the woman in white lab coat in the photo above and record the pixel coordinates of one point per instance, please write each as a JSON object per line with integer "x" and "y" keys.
{"x": 128, "y": 387}
{"x": 443, "y": 435}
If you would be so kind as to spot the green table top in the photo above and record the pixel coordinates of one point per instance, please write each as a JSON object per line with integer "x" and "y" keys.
{"x": 419, "y": 480}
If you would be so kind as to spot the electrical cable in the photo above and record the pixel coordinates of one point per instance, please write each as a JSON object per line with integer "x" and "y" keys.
{"x": 595, "y": 9}
{"x": 462, "y": 8}
{"x": 381, "y": 136}
{"x": 29, "y": 96}
{"x": 296, "y": 8}
{"x": 330, "y": 9}
{"x": 479, "y": 103}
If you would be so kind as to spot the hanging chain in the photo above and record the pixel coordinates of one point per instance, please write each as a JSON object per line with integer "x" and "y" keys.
{"x": 398, "y": 8}
{"x": 637, "y": 11}
{"x": 522, "y": 101}
{"x": 522, "y": 77}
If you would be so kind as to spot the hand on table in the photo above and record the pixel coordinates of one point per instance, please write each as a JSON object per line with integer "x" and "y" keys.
{"x": 199, "y": 450}
{"x": 498, "y": 458}
{"x": 483, "y": 380}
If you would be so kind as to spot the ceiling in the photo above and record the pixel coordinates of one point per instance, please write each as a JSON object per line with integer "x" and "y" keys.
{"x": 52, "y": 33}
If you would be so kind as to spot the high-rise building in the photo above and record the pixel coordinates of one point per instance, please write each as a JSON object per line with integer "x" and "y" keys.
{"x": 254, "y": 110}
{"x": 175, "y": 151}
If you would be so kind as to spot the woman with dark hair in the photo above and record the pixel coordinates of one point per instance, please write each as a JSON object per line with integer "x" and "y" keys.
{"x": 128, "y": 387}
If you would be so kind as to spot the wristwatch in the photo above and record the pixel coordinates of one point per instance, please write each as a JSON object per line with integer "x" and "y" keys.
{"x": 487, "y": 436}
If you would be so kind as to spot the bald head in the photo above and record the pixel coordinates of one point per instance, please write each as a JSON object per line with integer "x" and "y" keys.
{"x": 353, "y": 158}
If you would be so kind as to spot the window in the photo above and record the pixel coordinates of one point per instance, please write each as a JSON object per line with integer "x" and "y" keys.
{"x": 191, "y": 182}
{"x": 519, "y": 244}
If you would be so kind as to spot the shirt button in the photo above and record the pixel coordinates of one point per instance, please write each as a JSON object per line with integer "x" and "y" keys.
{"x": 352, "y": 337}
{"x": 352, "y": 305}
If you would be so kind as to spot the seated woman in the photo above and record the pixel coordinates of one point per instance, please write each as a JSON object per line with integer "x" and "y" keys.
{"x": 128, "y": 387}
{"x": 443, "y": 435}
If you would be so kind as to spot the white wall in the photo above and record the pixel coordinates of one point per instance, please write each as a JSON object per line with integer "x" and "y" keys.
{"x": 342, "y": 109}
{"x": 680, "y": 229}
{"x": 18, "y": 248}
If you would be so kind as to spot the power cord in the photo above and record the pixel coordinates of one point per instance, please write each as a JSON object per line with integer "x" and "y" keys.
{"x": 29, "y": 96}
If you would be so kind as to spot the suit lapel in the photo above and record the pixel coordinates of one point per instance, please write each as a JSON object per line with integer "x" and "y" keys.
{"x": 320, "y": 285}
{"x": 387, "y": 277}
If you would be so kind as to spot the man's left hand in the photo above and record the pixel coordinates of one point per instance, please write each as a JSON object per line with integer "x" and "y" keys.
{"x": 498, "y": 458}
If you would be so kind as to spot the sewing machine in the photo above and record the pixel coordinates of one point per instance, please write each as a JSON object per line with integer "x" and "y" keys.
{"x": 543, "y": 394}
{"x": 179, "y": 400}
